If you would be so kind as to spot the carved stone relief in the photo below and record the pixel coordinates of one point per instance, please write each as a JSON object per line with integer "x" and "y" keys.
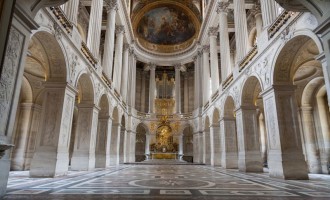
{"x": 9, "y": 75}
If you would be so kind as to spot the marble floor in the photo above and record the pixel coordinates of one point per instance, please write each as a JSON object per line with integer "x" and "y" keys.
{"x": 165, "y": 182}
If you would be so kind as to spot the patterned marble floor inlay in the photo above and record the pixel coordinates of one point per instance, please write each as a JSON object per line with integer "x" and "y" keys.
{"x": 165, "y": 182}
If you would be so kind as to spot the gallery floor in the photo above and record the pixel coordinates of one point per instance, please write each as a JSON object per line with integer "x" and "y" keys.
{"x": 165, "y": 182}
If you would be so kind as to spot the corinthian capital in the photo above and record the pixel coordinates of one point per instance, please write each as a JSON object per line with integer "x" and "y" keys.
{"x": 213, "y": 31}
{"x": 120, "y": 29}
{"x": 111, "y": 5}
{"x": 222, "y": 7}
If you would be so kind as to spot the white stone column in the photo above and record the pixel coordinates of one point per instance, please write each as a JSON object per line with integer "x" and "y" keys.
{"x": 83, "y": 157}
{"x": 285, "y": 150}
{"x": 102, "y": 150}
{"x": 205, "y": 145}
{"x": 177, "y": 88}
{"x": 201, "y": 147}
{"x": 118, "y": 57}
{"x": 249, "y": 155}
{"x": 152, "y": 87}
{"x": 215, "y": 142}
{"x": 224, "y": 40}
{"x": 71, "y": 10}
{"x": 143, "y": 91}
{"x": 51, "y": 157}
{"x": 147, "y": 146}
{"x": 206, "y": 74}
{"x": 186, "y": 93}
{"x": 197, "y": 80}
{"x": 312, "y": 151}
{"x": 127, "y": 143}
{"x": 269, "y": 12}
{"x": 125, "y": 78}
{"x": 211, "y": 145}
{"x": 258, "y": 18}
{"x": 263, "y": 139}
{"x": 180, "y": 137}
{"x": 241, "y": 33}
{"x": 213, "y": 33}
{"x": 95, "y": 25}
{"x": 132, "y": 75}
{"x": 109, "y": 42}
{"x": 196, "y": 147}
{"x": 229, "y": 156}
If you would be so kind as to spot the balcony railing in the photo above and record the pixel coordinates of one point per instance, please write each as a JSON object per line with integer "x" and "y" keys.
{"x": 88, "y": 54}
{"x": 250, "y": 55}
{"x": 279, "y": 23}
{"x": 228, "y": 80}
{"x": 59, "y": 14}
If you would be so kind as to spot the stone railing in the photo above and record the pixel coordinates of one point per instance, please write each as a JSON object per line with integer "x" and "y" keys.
{"x": 206, "y": 105}
{"x": 59, "y": 14}
{"x": 250, "y": 55}
{"x": 106, "y": 80}
{"x": 215, "y": 96}
{"x": 88, "y": 54}
{"x": 279, "y": 23}
{"x": 228, "y": 80}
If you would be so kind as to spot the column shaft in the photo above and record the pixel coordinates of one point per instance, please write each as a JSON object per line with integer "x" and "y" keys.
{"x": 95, "y": 25}
{"x": 125, "y": 77}
{"x": 109, "y": 42}
{"x": 177, "y": 89}
{"x": 206, "y": 74}
{"x": 71, "y": 10}
{"x": 118, "y": 57}
{"x": 152, "y": 88}
{"x": 269, "y": 12}
{"x": 213, "y": 32}
{"x": 241, "y": 33}
{"x": 229, "y": 157}
{"x": 224, "y": 40}
{"x": 186, "y": 94}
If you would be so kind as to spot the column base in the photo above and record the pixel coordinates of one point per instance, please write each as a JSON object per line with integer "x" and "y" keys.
{"x": 114, "y": 160}
{"x": 101, "y": 161}
{"x": 82, "y": 161}
{"x": 250, "y": 162}
{"x": 229, "y": 161}
{"x": 47, "y": 162}
{"x": 288, "y": 167}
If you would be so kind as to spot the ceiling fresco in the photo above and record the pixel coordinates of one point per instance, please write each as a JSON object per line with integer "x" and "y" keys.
{"x": 165, "y": 26}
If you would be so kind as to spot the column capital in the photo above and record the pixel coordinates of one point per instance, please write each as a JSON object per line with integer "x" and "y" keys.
{"x": 177, "y": 66}
{"x": 111, "y": 5}
{"x": 222, "y": 7}
{"x": 120, "y": 29}
{"x": 213, "y": 31}
{"x": 256, "y": 9}
{"x": 126, "y": 46}
{"x": 206, "y": 48}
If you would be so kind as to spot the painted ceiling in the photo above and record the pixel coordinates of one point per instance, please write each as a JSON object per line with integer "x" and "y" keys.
{"x": 166, "y": 26}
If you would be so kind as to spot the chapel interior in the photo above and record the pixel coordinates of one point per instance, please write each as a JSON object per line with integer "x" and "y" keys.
{"x": 164, "y": 99}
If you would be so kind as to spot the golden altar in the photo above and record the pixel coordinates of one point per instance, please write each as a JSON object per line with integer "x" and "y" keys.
{"x": 160, "y": 155}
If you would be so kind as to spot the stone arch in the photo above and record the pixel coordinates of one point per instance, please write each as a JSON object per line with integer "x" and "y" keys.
{"x": 304, "y": 47}
{"x": 115, "y": 115}
{"x": 26, "y": 94}
{"x": 85, "y": 89}
{"x": 215, "y": 116}
{"x": 229, "y": 107}
{"x": 51, "y": 53}
{"x": 311, "y": 90}
{"x": 251, "y": 91}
